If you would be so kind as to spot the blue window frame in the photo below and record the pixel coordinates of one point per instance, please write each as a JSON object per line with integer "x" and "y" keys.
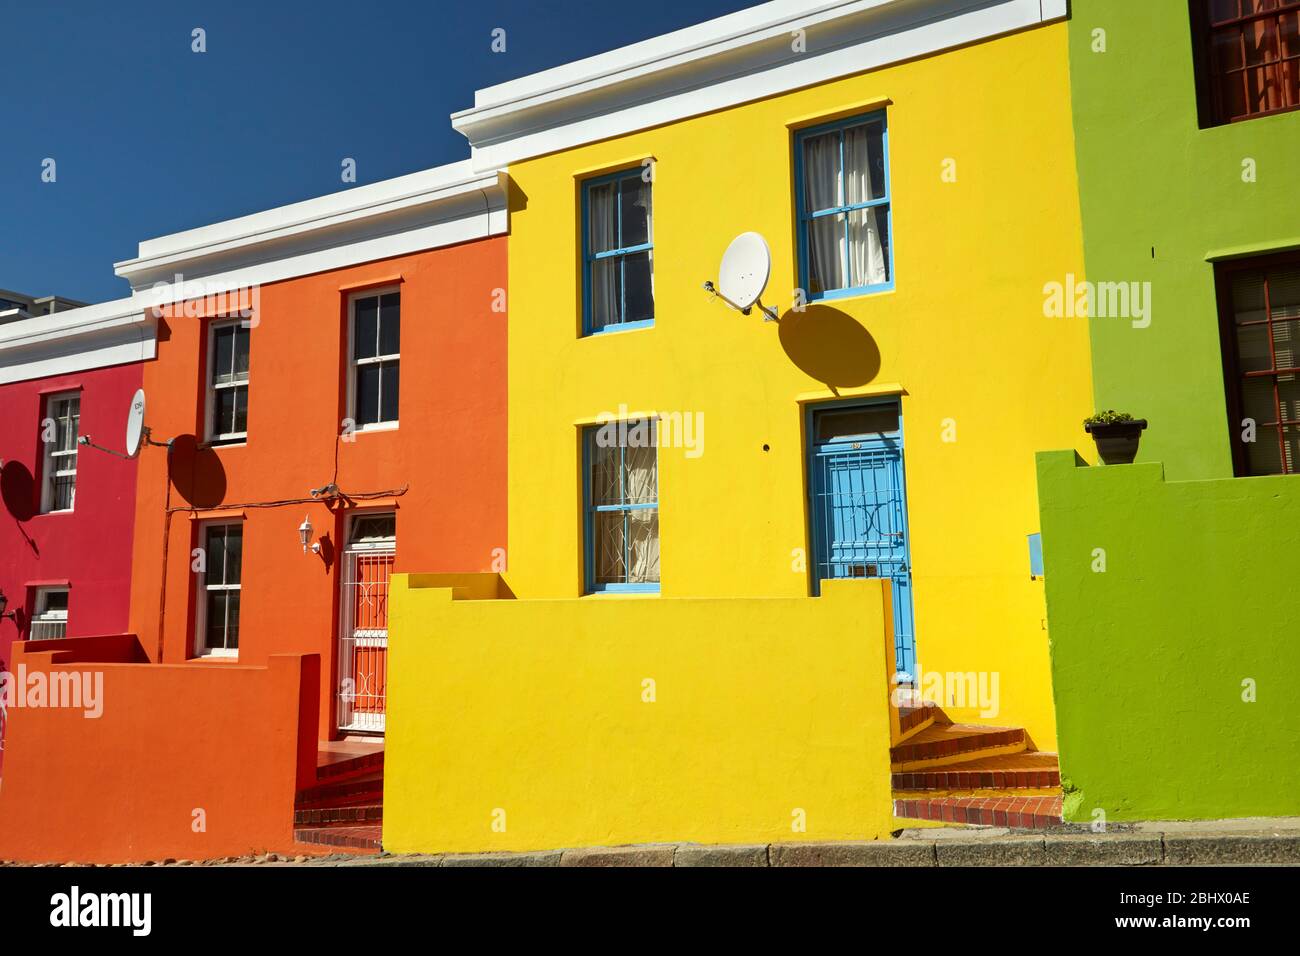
{"x": 617, "y": 252}
{"x": 844, "y": 209}
{"x": 621, "y": 504}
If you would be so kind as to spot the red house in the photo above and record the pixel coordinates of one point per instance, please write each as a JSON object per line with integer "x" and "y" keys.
{"x": 69, "y": 510}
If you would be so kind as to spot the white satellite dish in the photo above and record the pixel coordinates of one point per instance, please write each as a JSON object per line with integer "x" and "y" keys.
{"x": 135, "y": 427}
{"x": 746, "y": 266}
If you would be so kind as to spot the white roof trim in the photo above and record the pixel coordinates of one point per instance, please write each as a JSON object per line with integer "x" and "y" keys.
{"x": 76, "y": 340}
{"x": 425, "y": 210}
{"x": 734, "y": 59}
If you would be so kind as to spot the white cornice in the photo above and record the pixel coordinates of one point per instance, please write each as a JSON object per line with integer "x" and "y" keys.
{"x": 425, "y": 210}
{"x": 75, "y": 340}
{"x": 734, "y": 59}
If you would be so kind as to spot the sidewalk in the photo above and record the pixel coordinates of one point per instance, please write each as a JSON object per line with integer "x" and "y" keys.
{"x": 1255, "y": 841}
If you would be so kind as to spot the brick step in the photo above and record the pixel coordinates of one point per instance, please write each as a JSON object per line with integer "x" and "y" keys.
{"x": 1027, "y": 813}
{"x": 358, "y": 815}
{"x": 364, "y": 789}
{"x": 364, "y": 838}
{"x": 1020, "y": 771}
{"x": 350, "y": 767}
{"x": 938, "y": 745}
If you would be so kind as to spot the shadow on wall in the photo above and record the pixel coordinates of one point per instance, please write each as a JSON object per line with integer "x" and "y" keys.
{"x": 830, "y": 345}
{"x": 197, "y": 473}
{"x": 19, "y": 492}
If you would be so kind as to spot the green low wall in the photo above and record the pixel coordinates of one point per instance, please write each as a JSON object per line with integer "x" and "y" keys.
{"x": 1170, "y": 605}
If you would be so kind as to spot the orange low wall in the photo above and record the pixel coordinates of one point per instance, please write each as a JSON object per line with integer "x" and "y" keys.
{"x": 189, "y": 761}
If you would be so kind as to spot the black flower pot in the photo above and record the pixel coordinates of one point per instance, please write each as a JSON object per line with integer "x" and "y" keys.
{"x": 1117, "y": 442}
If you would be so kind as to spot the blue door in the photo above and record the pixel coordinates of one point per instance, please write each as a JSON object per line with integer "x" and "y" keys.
{"x": 859, "y": 506}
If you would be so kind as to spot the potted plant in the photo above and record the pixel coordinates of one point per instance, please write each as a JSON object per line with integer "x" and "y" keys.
{"x": 1116, "y": 434}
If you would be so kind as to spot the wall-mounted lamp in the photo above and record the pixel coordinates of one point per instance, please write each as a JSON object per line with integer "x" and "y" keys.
{"x": 304, "y": 536}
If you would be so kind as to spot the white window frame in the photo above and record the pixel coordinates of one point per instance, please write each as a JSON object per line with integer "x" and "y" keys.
{"x": 211, "y": 387}
{"x": 354, "y": 362}
{"x": 41, "y": 613}
{"x": 202, "y": 588}
{"x": 49, "y": 455}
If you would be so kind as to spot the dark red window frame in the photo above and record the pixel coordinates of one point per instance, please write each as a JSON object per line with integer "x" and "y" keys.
{"x": 1265, "y": 64}
{"x": 1226, "y": 274}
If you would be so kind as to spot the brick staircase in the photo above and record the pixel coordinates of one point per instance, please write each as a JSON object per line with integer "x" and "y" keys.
{"x": 971, "y": 774}
{"x": 344, "y": 811}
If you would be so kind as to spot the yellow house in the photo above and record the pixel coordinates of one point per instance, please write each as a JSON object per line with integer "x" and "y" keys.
{"x": 726, "y": 529}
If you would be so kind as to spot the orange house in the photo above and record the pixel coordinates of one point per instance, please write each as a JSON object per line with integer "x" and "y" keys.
{"x": 327, "y": 406}
{"x": 327, "y": 429}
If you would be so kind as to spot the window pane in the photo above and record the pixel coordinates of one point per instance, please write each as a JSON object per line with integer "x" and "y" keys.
{"x": 223, "y": 412}
{"x": 241, "y": 408}
{"x": 1284, "y": 294}
{"x": 605, "y": 464}
{"x": 641, "y": 480}
{"x": 1257, "y": 401}
{"x": 223, "y": 358}
{"x": 868, "y": 246}
{"x": 855, "y": 422}
{"x": 634, "y": 210}
{"x": 602, "y": 218}
{"x": 821, "y": 171}
{"x": 54, "y": 601}
{"x": 365, "y": 338}
{"x": 367, "y": 396}
{"x": 372, "y": 527}
{"x": 638, "y": 287}
{"x": 826, "y": 254}
{"x": 388, "y": 385}
{"x": 234, "y": 554}
{"x": 216, "y": 619}
{"x": 1285, "y": 345}
{"x": 606, "y": 293}
{"x": 643, "y": 546}
{"x": 864, "y": 162}
{"x": 608, "y": 547}
{"x": 215, "y": 555}
{"x": 241, "y": 351}
{"x": 1252, "y": 349}
{"x": 232, "y": 620}
{"x": 390, "y": 325}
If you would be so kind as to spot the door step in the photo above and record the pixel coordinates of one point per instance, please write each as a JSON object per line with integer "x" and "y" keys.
{"x": 365, "y": 838}
{"x": 941, "y": 745}
{"x": 1017, "y": 812}
{"x": 1022, "y": 771}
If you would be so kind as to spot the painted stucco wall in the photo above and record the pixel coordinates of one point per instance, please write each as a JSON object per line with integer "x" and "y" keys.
{"x": 88, "y": 548}
{"x": 1159, "y": 196}
{"x": 962, "y": 339}
{"x": 448, "y": 452}
{"x": 524, "y": 725}
{"x": 1155, "y": 651}
{"x": 180, "y": 761}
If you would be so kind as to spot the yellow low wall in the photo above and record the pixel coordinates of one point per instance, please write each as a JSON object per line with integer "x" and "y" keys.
{"x": 525, "y": 725}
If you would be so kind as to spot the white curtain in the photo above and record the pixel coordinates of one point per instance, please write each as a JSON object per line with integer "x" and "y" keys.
{"x": 643, "y": 523}
{"x": 866, "y": 253}
{"x": 821, "y": 164}
{"x": 602, "y": 225}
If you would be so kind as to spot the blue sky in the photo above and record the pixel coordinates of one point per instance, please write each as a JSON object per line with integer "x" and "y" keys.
{"x": 150, "y": 138}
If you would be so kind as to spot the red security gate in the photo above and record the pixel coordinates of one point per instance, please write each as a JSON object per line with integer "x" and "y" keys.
{"x": 363, "y": 623}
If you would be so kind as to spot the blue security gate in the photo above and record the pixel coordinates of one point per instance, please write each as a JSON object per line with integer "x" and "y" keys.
{"x": 859, "y": 506}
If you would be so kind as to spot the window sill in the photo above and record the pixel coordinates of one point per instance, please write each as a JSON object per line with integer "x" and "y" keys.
{"x": 860, "y": 292}
{"x": 369, "y": 429}
{"x": 240, "y": 442}
{"x": 634, "y": 591}
{"x": 61, "y": 511}
{"x": 221, "y": 657}
{"x": 620, "y": 327}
